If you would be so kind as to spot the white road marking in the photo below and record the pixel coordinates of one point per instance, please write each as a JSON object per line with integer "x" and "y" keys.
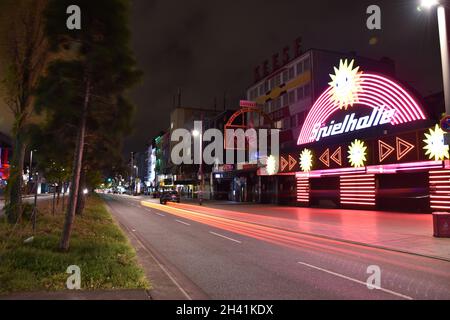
{"x": 163, "y": 268}
{"x": 222, "y": 236}
{"x": 185, "y": 223}
{"x": 159, "y": 214}
{"x": 355, "y": 280}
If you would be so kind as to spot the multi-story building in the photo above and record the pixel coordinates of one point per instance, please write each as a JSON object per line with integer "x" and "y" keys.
{"x": 186, "y": 176}
{"x": 364, "y": 140}
{"x": 288, "y": 93}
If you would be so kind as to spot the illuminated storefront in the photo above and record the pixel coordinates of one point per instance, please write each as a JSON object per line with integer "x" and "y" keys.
{"x": 367, "y": 142}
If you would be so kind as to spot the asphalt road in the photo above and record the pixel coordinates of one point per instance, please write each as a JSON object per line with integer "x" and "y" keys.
{"x": 228, "y": 259}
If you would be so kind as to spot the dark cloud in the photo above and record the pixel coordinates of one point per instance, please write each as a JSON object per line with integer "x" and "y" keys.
{"x": 209, "y": 47}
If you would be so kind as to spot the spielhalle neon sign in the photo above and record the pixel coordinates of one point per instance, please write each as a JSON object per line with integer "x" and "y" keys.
{"x": 389, "y": 101}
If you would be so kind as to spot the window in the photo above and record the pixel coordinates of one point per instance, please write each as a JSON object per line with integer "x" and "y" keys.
{"x": 294, "y": 121}
{"x": 307, "y": 64}
{"x": 261, "y": 90}
{"x": 277, "y": 80}
{"x": 286, "y": 123}
{"x": 300, "y": 118}
{"x": 266, "y": 87}
{"x": 277, "y": 103}
{"x": 285, "y": 76}
{"x": 291, "y": 73}
{"x": 307, "y": 90}
{"x": 300, "y": 93}
{"x": 284, "y": 100}
{"x": 272, "y": 84}
{"x": 299, "y": 68}
{"x": 291, "y": 97}
{"x": 278, "y": 124}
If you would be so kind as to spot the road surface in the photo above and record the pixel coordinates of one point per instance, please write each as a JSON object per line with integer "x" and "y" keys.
{"x": 218, "y": 258}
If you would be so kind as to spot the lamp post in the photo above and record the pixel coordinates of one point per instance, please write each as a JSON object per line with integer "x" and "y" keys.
{"x": 198, "y": 134}
{"x": 30, "y": 173}
{"x": 443, "y": 39}
{"x": 136, "y": 180}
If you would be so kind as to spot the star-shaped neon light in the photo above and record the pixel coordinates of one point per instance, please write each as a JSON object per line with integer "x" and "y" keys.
{"x": 345, "y": 84}
{"x": 306, "y": 160}
{"x": 357, "y": 153}
{"x": 434, "y": 144}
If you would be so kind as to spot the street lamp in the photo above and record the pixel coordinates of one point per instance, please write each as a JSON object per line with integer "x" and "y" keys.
{"x": 443, "y": 39}
{"x": 136, "y": 188}
{"x": 198, "y": 134}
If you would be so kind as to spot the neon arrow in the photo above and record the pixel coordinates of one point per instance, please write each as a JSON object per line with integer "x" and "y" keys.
{"x": 284, "y": 163}
{"x": 337, "y": 156}
{"x": 403, "y": 147}
{"x": 325, "y": 158}
{"x": 292, "y": 163}
{"x": 384, "y": 150}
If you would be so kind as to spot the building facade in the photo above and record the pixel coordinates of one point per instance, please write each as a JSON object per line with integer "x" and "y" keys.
{"x": 369, "y": 141}
{"x": 287, "y": 95}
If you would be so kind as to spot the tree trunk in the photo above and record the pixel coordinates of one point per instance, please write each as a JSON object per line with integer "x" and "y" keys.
{"x": 59, "y": 192}
{"x": 81, "y": 196}
{"x": 77, "y": 164}
{"x": 63, "y": 195}
{"x": 54, "y": 200}
{"x": 14, "y": 190}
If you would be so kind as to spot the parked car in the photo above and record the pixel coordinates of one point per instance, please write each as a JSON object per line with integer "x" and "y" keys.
{"x": 169, "y": 196}
{"x": 156, "y": 194}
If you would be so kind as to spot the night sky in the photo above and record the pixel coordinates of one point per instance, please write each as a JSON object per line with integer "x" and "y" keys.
{"x": 210, "y": 47}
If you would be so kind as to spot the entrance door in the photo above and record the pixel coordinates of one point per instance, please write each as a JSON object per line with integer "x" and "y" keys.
{"x": 403, "y": 192}
{"x": 324, "y": 192}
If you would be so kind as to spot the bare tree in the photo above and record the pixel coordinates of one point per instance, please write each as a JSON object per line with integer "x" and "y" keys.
{"x": 24, "y": 53}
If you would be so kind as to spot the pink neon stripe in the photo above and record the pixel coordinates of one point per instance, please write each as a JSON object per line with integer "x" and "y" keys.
{"x": 375, "y": 86}
{"x": 413, "y": 105}
{"x": 417, "y": 168}
{"x": 439, "y": 207}
{"x": 393, "y": 100}
{"x": 317, "y": 116}
{"x": 391, "y": 103}
{"x": 312, "y": 114}
{"x": 373, "y": 101}
{"x": 326, "y": 110}
{"x": 359, "y": 203}
{"x": 373, "y": 92}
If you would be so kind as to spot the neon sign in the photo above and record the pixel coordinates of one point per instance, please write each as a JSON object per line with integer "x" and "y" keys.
{"x": 434, "y": 144}
{"x": 357, "y": 153}
{"x": 306, "y": 160}
{"x": 389, "y": 101}
{"x": 379, "y": 116}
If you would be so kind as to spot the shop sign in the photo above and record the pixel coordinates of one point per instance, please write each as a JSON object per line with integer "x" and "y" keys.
{"x": 389, "y": 102}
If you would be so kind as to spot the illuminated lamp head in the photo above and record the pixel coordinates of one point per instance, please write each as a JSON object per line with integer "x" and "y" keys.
{"x": 345, "y": 84}
{"x": 357, "y": 153}
{"x": 434, "y": 144}
{"x": 306, "y": 160}
{"x": 271, "y": 166}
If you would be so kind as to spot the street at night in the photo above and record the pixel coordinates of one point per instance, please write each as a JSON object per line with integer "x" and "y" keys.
{"x": 217, "y": 256}
{"x": 225, "y": 160}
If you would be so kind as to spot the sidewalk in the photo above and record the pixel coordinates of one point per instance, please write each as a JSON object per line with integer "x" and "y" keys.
{"x": 405, "y": 232}
{"x": 26, "y": 198}
{"x": 81, "y": 295}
